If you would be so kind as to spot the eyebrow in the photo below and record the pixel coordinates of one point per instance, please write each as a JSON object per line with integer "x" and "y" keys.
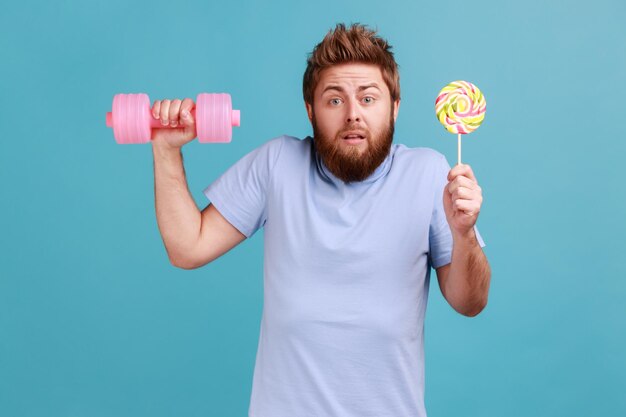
{"x": 340, "y": 89}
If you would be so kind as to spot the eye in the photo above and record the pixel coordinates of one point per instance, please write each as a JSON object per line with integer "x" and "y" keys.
{"x": 370, "y": 98}
{"x": 333, "y": 100}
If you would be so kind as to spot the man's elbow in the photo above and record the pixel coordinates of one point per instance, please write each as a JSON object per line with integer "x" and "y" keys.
{"x": 184, "y": 266}
{"x": 182, "y": 263}
{"x": 474, "y": 310}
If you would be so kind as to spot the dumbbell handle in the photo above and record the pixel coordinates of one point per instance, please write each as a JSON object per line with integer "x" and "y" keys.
{"x": 157, "y": 122}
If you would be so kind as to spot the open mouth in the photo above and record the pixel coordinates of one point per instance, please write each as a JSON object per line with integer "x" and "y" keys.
{"x": 353, "y": 140}
{"x": 353, "y": 137}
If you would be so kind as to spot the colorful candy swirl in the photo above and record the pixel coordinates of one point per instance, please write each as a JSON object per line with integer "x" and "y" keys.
{"x": 460, "y": 107}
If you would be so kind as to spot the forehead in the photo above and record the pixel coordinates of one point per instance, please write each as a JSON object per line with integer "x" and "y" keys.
{"x": 351, "y": 75}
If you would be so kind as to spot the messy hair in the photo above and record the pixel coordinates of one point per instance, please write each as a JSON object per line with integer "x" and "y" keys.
{"x": 356, "y": 44}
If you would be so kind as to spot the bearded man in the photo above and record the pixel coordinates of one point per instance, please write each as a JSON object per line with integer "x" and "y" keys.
{"x": 353, "y": 224}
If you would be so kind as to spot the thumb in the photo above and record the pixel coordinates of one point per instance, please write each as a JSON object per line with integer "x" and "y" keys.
{"x": 189, "y": 124}
{"x": 187, "y": 119}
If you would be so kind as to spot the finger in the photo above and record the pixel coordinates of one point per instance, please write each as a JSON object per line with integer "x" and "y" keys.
{"x": 174, "y": 112}
{"x": 165, "y": 111}
{"x": 462, "y": 193}
{"x": 462, "y": 169}
{"x": 468, "y": 207}
{"x": 185, "y": 112}
{"x": 156, "y": 109}
{"x": 462, "y": 181}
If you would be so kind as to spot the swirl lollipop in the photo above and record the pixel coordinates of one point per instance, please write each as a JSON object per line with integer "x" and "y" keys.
{"x": 460, "y": 107}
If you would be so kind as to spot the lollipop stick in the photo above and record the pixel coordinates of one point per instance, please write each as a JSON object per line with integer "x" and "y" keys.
{"x": 459, "y": 146}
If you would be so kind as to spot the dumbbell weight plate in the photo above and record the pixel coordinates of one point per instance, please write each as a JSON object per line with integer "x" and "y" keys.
{"x": 215, "y": 117}
{"x": 131, "y": 118}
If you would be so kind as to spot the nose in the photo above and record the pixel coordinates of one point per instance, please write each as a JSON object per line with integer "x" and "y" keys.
{"x": 353, "y": 112}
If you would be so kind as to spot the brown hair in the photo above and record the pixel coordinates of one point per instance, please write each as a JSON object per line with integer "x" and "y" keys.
{"x": 357, "y": 44}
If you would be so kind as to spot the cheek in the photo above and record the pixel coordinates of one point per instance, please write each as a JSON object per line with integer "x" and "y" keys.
{"x": 329, "y": 122}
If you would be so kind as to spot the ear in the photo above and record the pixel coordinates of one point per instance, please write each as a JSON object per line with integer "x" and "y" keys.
{"x": 309, "y": 110}
{"x": 396, "y": 108}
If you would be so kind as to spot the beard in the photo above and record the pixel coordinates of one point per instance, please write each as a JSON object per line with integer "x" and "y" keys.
{"x": 350, "y": 163}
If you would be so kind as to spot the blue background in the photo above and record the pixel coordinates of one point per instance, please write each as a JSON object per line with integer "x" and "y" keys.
{"x": 95, "y": 321}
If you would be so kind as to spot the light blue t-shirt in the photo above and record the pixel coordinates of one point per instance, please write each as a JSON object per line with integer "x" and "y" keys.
{"x": 346, "y": 277}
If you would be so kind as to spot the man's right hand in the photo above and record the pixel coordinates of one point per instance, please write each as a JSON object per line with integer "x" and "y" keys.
{"x": 177, "y": 115}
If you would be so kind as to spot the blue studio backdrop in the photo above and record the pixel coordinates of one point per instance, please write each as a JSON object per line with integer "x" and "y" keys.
{"x": 95, "y": 321}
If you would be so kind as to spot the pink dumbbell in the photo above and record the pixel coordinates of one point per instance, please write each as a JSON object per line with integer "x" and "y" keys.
{"x": 132, "y": 120}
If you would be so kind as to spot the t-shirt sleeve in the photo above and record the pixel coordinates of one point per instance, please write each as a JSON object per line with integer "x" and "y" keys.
{"x": 240, "y": 193}
{"x": 439, "y": 234}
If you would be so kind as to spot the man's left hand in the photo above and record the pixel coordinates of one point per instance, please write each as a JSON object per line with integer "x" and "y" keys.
{"x": 462, "y": 198}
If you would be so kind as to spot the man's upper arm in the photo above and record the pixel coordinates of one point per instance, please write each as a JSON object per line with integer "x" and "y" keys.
{"x": 442, "y": 277}
{"x": 217, "y": 236}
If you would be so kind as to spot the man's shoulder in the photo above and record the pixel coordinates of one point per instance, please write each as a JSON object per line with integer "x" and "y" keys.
{"x": 287, "y": 143}
{"x": 420, "y": 154}
{"x": 295, "y": 143}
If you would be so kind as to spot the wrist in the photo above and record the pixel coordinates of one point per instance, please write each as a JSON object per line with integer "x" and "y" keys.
{"x": 162, "y": 148}
{"x": 464, "y": 236}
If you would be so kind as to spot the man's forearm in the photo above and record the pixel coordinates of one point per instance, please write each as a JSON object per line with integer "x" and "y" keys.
{"x": 467, "y": 286}
{"x": 178, "y": 216}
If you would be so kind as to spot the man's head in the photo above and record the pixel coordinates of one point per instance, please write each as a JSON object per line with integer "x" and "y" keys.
{"x": 352, "y": 85}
